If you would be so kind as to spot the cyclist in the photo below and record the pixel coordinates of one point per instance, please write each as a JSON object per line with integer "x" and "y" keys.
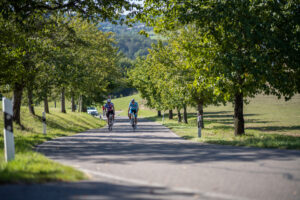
{"x": 133, "y": 108}
{"x": 109, "y": 109}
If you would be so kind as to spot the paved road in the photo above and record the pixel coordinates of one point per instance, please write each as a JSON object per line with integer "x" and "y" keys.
{"x": 153, "y": 163}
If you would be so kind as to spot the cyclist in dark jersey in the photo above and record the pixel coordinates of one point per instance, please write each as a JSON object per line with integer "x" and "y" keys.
{"x": 109, "y": 109}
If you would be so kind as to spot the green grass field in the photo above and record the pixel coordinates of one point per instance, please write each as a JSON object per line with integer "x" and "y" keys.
{"x": 269, "y": 123}
{"x": 121, "y": 104}
{"x": 32, "y": 167}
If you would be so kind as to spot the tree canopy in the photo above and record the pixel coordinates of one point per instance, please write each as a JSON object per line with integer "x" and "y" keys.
{"x": 245, "y": 47}
{"x": 91, "y": 9}
{"x": 68, "y": 53}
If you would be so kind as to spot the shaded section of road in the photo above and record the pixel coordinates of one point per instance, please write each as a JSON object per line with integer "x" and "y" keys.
{"x": 93, "y": 190}
{"x": 153, "y": 163}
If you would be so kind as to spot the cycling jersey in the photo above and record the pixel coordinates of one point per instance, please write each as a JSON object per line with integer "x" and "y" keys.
{"x": 134, "y": 106}
{"x": 109, "y": 107}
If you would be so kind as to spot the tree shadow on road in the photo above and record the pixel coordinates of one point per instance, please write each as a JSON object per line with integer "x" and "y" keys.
{"x": 91, "y": 190}
{"x": 151, "y": 144}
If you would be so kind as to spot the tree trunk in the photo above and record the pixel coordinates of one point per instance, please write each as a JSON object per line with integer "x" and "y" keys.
{"x": 17, "y": 99}
{"x": 80, "y": 104}
{"x": 185, "y": 119}
{"x": 238, "y": 114}
{"x": 73, "y": 103}
{"x": 179, "y": 115}
{"x": 159, "y": 113}
{"x": 200, "y": 112}
{"x": 83, "y": 104}
{"x": 170, "y": 114}
{"x": 30, "y": 101}
{"x": 84, "y": 109}
{"x": 63, "y": 101}
{"x": 54, "y": 103}
{"x": 46, "y": 105}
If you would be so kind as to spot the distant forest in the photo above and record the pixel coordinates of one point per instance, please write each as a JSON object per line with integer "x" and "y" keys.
{"x": 130, "y": 42}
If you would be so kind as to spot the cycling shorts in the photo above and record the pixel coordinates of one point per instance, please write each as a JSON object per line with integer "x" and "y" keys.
{"x": 133, "y": 111}
{"x": 109, "y": 112}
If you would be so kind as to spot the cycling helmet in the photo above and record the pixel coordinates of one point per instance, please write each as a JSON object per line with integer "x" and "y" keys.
{"x": 132, "y": 100}
{"x": 108, "y": 100}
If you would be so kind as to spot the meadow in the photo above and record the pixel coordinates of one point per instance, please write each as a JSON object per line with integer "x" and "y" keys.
{"x": 269, "y": 122}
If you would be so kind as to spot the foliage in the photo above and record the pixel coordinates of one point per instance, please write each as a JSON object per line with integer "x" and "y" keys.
{"x": 21, "y": 49}
{"x": 255, "y": 44}
{"x": 92, "y": 70}
{"x": 65, "y": 52}
{"x": 33, "y": 31}
{"x": 89, "y": 9}
{"x": 174, "y": 75}
{"x": 129, "y": 41}
{"x": 133, "y": 45}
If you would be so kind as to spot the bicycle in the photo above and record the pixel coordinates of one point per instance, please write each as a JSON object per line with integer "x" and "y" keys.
{"x": 110, "y": 122}
{"x": 133, "y": 123}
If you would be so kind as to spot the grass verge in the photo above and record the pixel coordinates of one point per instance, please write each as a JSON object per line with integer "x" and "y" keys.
{"x": 269, "y": 123}
{"x": 32, "y": 167}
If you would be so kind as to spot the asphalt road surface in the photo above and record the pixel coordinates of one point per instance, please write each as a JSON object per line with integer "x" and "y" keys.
{"x": 154, "y": 163}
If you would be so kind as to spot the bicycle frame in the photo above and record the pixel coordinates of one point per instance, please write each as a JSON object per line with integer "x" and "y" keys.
{"x": 110, "y": 122}
{"x": 133, "y": 121}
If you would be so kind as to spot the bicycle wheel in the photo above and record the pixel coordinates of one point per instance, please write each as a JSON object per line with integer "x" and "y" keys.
{"x": 134, "y": 126}
{"x": 134, "y": 123}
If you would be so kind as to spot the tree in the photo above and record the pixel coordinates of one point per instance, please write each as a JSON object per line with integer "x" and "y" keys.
{"x": 22, "y": 22}
{"x": 191, "y": 51}
{"x": 103, "y": 10}
{"x": 84, "y": 62}
{"x": 256, "y": 43}
{"x": 177, "y": 75}
{"x": 20, "y": 52}
{"x": 98, "y": 57}
{"x": 159, "y": 80}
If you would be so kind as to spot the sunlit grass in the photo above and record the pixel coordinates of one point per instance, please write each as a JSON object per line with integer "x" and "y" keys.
{"x": 122, "y": 104}
{"x": 30, "y": 166}
{"x": 269, "y": 123}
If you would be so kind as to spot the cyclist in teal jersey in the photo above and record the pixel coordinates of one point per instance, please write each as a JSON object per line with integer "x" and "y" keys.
{"x": 133, "y": 108}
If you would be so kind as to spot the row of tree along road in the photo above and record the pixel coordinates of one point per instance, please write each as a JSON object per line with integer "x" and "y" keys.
{"x": 54, "y": 48}
{"x": 218, "y": 52}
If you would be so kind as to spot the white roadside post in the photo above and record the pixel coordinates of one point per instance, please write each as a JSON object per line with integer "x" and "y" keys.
{"x": 199, "y": 126}
{"x": 44, "y": 123}
{"x": 9, "y": 144}
{"x": 163, "y": 118}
